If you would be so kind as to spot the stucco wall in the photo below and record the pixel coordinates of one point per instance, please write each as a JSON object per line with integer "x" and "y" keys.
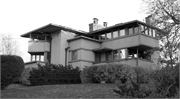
{"x": 38, "y": 46}
{"x": 80, "y": 64}
{"x": 84, "y": 48}
{"x": 146, "y": 40}
{"x": 122, "y": 42}
{"x": 59, "y": 43}
{"x": 55, "y": 48}
{"x": 64, "y": 44}
{"x": 31, "y": 65}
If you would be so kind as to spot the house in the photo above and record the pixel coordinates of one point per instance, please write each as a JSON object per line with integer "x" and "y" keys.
{"x": 126, "y": 43}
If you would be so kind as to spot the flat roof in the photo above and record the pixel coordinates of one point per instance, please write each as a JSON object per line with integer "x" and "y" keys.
{"x": 122, "y": 25}
{"x": 52, "y": 28}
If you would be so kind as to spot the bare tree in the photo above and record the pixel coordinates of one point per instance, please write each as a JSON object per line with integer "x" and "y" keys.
{"x": 165, "y": 14}
{"x": 8, "y": 45}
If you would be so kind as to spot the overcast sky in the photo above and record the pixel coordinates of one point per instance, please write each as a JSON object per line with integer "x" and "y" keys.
{"x": 21, "y": 16}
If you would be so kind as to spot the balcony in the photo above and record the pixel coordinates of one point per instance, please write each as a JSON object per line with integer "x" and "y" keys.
{"x": 130, "y": 41}
{"x": 38, "y": 46}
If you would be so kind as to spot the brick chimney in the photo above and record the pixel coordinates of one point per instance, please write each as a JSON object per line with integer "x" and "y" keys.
{"x": 95, "y": 26}
{"x": 149, "y": 20}
{"x": 105, "y": 24}
{"x": 95, "y": 20}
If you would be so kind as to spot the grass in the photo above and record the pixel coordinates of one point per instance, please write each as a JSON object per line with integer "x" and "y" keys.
{"x": 61, "y": 91}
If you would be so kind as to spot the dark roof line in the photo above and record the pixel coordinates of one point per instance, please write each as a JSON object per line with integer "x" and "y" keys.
{"x": 121, "y": 24}
{"x": 59, "y": 26}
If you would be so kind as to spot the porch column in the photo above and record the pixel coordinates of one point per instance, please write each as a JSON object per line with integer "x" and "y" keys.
{"x": 31, "y": 57}
{"x": 137, "y": 63}
{"x": 35, "y": 57}
{"x": 39, "y": 57}
{"x": 126, "y": 53}
{"x": 45, "y": 56}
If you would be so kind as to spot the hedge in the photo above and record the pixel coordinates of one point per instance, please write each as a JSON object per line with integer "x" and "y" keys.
{"x": 54, "y": 74}
{"x": 107, "y": 72}
{"x": 12, "y": 67}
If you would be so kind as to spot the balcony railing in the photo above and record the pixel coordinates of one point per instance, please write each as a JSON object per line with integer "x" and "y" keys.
{"x": 38, "y": 46}
{"x": 131, "y": 40}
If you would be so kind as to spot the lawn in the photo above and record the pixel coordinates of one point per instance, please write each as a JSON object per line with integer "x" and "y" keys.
{"x": 61, "y": 91}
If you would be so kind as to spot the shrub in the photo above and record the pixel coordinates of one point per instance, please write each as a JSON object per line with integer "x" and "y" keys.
{"x": 166, "y": 81}
{"x": 54, "y": 74}
{"x": 161, "y": 83}
{"x": 111, "y": 72}
{"x": 143, "y": 74}
{"x": 11, "y": 68}
{"x": 106, "y": 72}
{"x": 87, "y": 75}
{"x": 25, "y": 76}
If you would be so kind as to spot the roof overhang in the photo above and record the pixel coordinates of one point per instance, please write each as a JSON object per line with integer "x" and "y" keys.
{"x": 84, "y": 37}
{"x": 51, "y": 28}
{"x": 104, "y": 49}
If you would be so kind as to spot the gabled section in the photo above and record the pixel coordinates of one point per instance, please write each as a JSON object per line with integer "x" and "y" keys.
{"x": 49, "y": 29}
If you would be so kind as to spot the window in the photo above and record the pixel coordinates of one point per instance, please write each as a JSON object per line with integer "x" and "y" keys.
{"x": 74, "y": 55}
{"x": 142, "y": 29}
{"x": 115, "y": 55}
{"x": 132, "y": 53}
{"x": 115, "y": 34}
{"x": 102, "y": 37}
{"x": 154, "y": 33}
{"x": 119, "y": 54}
{"x": 97, "y": 57}
{"x": 108, "y": 36}
{"x": 122, "y": 53}
{"x": 108, "y": 56}
{"x": 122, "y": 32}
{"x": 136, "y": 30}
{"x": 130, "y": 31}
{"x": 150, "y": 31}
{"x": 146, "y": 30}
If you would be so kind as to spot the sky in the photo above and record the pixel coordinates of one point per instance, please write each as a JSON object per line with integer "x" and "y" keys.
{"x": 21, "y": 16}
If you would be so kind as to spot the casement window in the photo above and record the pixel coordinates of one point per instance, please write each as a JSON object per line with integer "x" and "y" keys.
{"x": 97, "y": 57}
{"x": 130, "y": 31}
{"x": 74, "y": 55}
{"x": 122, "y": 32}
{"x": 154, "y": 33}
{"x": 146, "y": 30}
{"x": 108, "y": 56}
{"x": 102, "y": 37}
{"x": 115, "y": 55}
{"x": 108, "y": 36}
{"x": 119, "y": 54}
{"x": 122, "y": 53}
{"x": 142, "y": 29}
{"x": 115, "y": 34}
{"x": 136, "y": 30}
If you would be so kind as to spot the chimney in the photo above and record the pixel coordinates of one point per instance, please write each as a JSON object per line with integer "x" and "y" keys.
{"x": 105, "y": 24}
{"x": 148, "y": 19}
{"x": 95, "y": 20}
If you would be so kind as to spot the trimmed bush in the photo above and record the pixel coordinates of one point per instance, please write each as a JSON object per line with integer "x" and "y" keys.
{"x": 54, "y": 74}
{"x": 87, "y": 75}
{"x": 12, "y": 67}
{"x": 106, "y": 72}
